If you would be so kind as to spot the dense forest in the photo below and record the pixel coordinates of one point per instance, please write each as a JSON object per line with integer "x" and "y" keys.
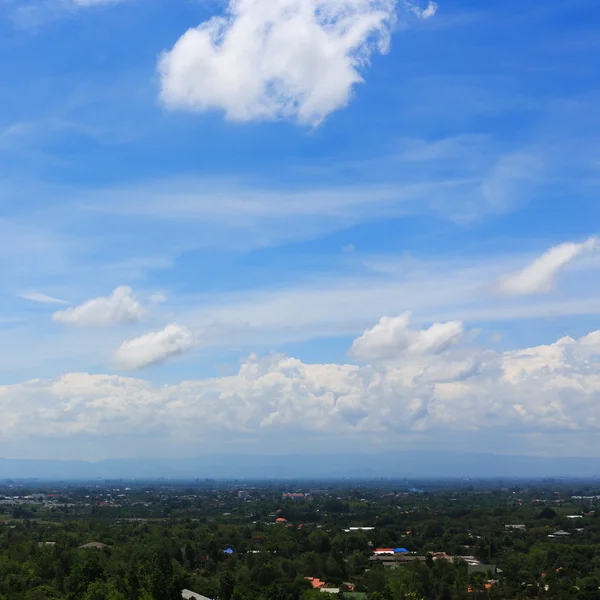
{"x": 228, "y": 542}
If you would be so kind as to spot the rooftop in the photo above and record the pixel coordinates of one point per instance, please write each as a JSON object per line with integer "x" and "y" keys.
{"x": 189, "y": 595}
{"x": 96, "y": 545}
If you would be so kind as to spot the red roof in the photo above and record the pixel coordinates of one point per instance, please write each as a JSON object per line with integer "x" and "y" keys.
{"x": 316, "y": 582}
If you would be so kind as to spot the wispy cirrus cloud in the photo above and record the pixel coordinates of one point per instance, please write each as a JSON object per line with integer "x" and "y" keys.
{"x": 540, "y": 276}
{"x": 30, "y": 14}
{"x": 259, "y": 214}
{"x": 42, "y": 298}
{"x": 422, "y": 12}
{"x": 343, "y": 305}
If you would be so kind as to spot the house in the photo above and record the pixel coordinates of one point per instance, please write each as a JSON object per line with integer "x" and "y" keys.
{"x": 42, "y": 544}
{"x": 316, "y": 582}
{"x": 383, "y": 551}
{"x": 330, "y": 590}
{"x": 95, "y": 545}
{"x": 280, "y": 520}
{"x": 560, "y": 534}
{"x": 393, "y": 560}
{"x": 189, "y": 595}
{"x": 518, "y": 526}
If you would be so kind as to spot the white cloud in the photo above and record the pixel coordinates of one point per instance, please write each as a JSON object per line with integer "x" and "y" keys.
{"x": 270, "y": 59}
{"x": 120, "y": 307}
{"x": 157, "y": 298}
{"x": 391, "y": 338}
{"x": 422, "y": 13}
{"x": 154, "y": 347}
{"x": 435, "y": 291}
{"x": 30, "y": 14}
{"x": 255, "y": 214}
{"x": 42, "y": 298}
{"x": 551, "y": 388}
{"x": 540, "y": 275}
{"x": 430, "y": 11}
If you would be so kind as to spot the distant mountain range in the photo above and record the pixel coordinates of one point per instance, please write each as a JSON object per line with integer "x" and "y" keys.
{"x": 411, "y": 465}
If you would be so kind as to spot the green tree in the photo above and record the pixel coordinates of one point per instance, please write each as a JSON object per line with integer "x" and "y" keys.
{"x": 547, "y": 513}
{"x": 42, "y": 592}
{"x": 226, "y": 586}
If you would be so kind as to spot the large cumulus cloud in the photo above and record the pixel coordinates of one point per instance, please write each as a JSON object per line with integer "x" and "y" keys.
{"x": 268, "y": 59}
{"x": 457, "y": 387}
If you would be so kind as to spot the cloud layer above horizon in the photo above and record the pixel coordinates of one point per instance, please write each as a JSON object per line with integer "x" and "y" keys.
{"x": 431, "y": 381}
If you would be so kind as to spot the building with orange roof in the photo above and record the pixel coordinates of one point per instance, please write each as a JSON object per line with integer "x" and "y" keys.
{"x": 316, "y": 582}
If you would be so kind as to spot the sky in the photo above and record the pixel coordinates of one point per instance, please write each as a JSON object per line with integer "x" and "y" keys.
{"x": 274, "y": 226}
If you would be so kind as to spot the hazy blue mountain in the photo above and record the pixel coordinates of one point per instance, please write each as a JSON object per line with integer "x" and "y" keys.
{"x": 388, "y": 465}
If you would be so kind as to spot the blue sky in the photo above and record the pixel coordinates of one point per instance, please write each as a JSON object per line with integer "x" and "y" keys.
{"x": 207, "y": 208}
